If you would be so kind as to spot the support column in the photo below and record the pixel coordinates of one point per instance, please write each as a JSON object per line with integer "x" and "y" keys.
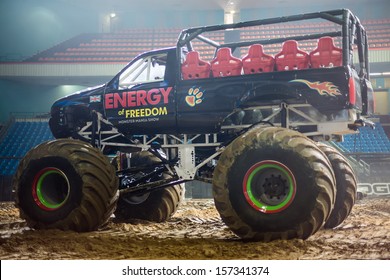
{"x": 232, "y": 11}
{"x": 232, "y": 15}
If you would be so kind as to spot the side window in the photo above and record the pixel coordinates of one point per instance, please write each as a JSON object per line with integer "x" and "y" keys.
{"x": 144, "y": 70}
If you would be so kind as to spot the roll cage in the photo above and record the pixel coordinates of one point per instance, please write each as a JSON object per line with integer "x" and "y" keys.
{"x": 350, "y": 32}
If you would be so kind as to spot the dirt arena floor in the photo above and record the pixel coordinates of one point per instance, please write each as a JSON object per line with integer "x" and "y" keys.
{"x": 197, "y": 232}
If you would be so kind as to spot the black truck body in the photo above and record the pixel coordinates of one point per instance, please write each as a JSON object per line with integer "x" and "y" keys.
{"x": 161, "y": 107}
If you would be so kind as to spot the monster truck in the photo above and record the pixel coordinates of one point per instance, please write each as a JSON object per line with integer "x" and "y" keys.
{"x": 251, "y": 123}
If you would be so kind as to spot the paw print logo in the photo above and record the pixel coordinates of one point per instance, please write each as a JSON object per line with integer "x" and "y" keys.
{"x": 194, "y": 97}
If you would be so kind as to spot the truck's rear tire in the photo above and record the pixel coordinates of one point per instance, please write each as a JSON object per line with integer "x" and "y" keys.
{"x": 157, "y": 206}
{"x": 66, "y": 184}
{"x": 273, "y": 183}
{"x": 346, "y": 186}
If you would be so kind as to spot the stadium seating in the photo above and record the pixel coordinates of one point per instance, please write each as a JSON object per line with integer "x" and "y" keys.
{"x": 19, "y": 139}
{"x": 124, "y": 45}
{"x": 367, "y": 141}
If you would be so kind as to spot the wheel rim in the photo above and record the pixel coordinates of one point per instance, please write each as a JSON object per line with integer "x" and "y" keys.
{"x": 50, "y": 188}
{"x": 269, "y": 186}
{"x": 136, "y": 199}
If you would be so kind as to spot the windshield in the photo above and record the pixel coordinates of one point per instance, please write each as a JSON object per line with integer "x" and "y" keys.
{"x": 144, "y": 70}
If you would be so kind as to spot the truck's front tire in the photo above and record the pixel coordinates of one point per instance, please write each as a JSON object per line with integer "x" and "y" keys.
{"x": 66, "y": 184}
{"x": 273, "y": 183}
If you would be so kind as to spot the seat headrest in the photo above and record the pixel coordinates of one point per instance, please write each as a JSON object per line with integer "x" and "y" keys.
{"x": 224, "y": 54}
{"x": 326, "y": 43}
{"x": 290, "y": 47}
{"x": 255, "y": 50}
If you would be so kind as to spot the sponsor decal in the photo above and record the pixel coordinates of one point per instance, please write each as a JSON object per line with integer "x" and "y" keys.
{"x": 194, "y": 96}
{"x": 374, "y": 188}
{"x": 128, "y": 99}
{"x": 143, "y": 105}
{"x": 324, "y": 88}
{"x": 95, "y": 99}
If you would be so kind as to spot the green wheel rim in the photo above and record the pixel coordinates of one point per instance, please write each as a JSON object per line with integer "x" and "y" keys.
{"x": 50, "y": 189}
{"x": 269, "y": 186}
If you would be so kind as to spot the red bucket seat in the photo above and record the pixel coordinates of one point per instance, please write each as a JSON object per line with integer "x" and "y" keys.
{"x": 291, "y": 57}
{"x": 256, "y": 61}
{"x": 194, "y": 67}
{"x": 326, "y": 54}
{"x": 225, "y": 64}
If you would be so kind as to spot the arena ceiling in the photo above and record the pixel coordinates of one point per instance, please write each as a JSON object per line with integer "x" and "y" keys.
{"x": 175, "y": 5}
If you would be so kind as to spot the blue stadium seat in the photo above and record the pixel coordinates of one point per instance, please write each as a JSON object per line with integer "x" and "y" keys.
{"x": 19, "y": 139}
{"x": 367, "y": 141}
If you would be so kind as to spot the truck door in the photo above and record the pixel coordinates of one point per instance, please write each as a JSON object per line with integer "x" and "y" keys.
{"x": 140, "y": 99}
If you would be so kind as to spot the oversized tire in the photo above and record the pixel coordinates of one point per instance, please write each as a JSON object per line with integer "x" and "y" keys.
{"x": 156, "y": 206}
{"x": 273, "y": 183}
{"x": 66, "y": 184}
{"x": 346, "y": 186}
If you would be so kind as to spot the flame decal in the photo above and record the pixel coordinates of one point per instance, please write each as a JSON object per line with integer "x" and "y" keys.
{"x": 324, "y": 88}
